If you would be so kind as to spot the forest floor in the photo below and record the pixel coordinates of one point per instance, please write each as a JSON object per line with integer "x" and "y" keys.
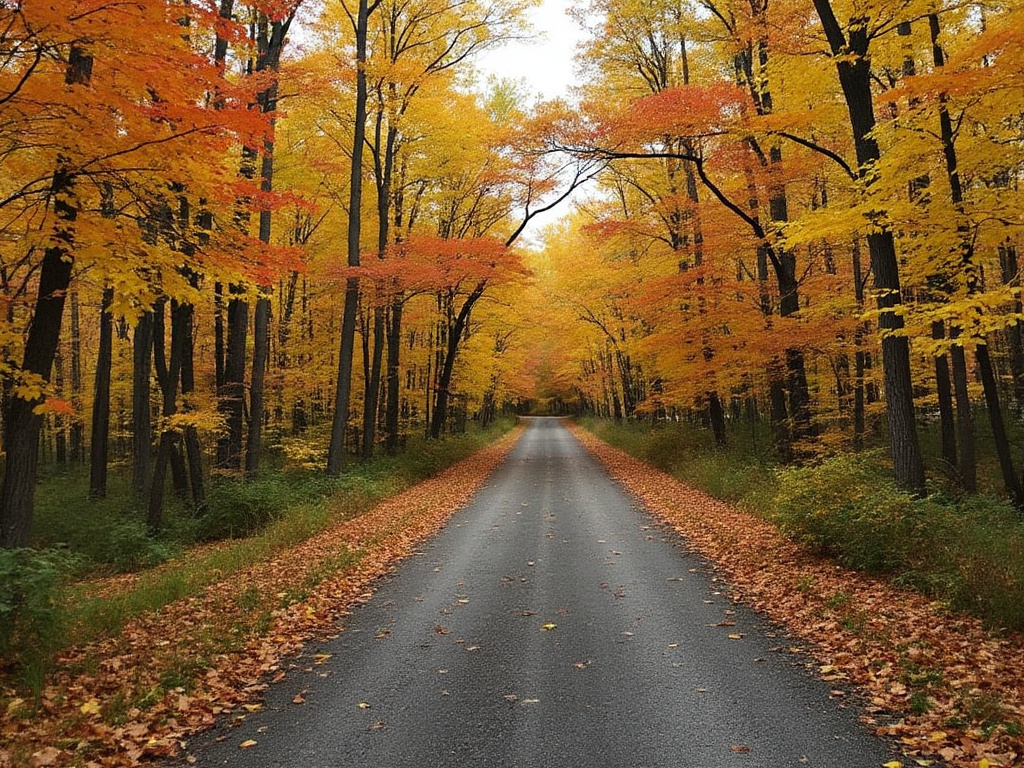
{"x": 949, "y": 691}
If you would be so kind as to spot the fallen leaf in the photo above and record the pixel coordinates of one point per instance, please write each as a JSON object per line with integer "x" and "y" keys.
{"x": 548, "y": 627}
{"x": 298, "y": 699}
{"x": 91, "y": 707}
{"x": 363, "y": 705}
{"x": 736, "y": 636}
{"x": 740, "y": 749}
{"x": 248, "y": 743}
{"x": 46, "y": 757}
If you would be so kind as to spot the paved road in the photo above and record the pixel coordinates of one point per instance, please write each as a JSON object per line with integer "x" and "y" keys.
{"x": 550, "y": 625}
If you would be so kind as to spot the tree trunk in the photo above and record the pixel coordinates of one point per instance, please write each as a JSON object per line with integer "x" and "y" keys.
{"x": 270, "y": 44}
{"x": 995, "y": 414}
{"x": 444, "y": 380}
{"x": 193, "y": 449}
{"x": 231, "y": 394}
{"x": 77, "y": 426}
{"x": 22, "y": 422}
{"x": 346, "y": 351}
{"x": 142, "y": 353}
{"x": 716, "y": 415}
{"x": 854, "y": 69}
{"x": 99, "y": 440}
{"x": 391, "y": 417}
{"x": 968, "y": 464}
{"x": 1015, "y": 333}
{"x": 944, "y": 392}
{"x": 370, "y": 398}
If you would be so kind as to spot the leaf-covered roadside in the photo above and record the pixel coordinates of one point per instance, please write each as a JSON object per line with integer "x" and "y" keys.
{"x": 170, "y": 673}
{"x": 939, "y": 684}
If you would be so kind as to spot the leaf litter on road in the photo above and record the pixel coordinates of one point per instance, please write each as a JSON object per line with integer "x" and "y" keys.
{"x": 117, "y": 702}
{"x": 937, "y": 683}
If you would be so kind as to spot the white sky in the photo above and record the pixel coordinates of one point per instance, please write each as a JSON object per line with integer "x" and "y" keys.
{"x": 544, "y": 62}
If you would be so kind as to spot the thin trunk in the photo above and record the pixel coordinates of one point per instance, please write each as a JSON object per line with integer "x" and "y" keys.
{"x": 77, "y": 426}
{"x": 716, "y": 414}
{"x": 142, "y": 352}
{"x": 231, "y": 394}
{"x": 944, "y": 392}
{"x": 270, "y": 44}
{"x": 394, "y": 330}
{"x": 346, "y": 351}
{"x": 1002, "y": 442}
{"x": 193, "y": 449}
{"x": 1015, "y": 333}
{"x": 99, "y": 440}
{"x": 444, "y": 380}
{"x": 169, "y": 376}
{"x": 371, "y": 398}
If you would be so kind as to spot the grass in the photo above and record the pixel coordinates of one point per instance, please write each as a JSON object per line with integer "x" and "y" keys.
{"x": 967, "y": 551}
{"x": 66, "y": 590}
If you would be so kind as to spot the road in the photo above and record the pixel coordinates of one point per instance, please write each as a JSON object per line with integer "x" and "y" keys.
{"x": 552, "y": 624}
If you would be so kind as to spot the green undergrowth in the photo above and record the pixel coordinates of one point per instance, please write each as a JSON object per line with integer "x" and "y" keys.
{"x": 967, "y": 552}
{"x": 61, "y": 591}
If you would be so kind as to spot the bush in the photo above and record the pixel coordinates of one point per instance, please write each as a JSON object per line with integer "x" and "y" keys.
{"x": 847, "y": 508}
{"x": 238, "y": 509}
{"x": 31, "y": 617}
{"x": 968, "y": 553}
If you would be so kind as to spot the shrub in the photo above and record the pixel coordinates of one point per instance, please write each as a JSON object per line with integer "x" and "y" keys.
{"x": 846, "y": 508}
{"x": 31, "y": 617}
{"x": 968, "y": 553}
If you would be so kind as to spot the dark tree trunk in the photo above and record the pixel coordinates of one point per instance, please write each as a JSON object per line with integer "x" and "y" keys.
{"x": 260, "y": 359}
{"x": 99, "y": 440}
{"x": 370, "y": 398}
{"x": 77, "y": 426}
{"x": 968, "y": 464}
{"x": 968, "y": 470}
{"x": 218, "y": 335}
{"x": 270, "y": 43}
{"x": 169, "y": 376}
{"x": 21, "y": 420}
{"x": 944, "y": 392}
{"x": 142, "y": 366}
{"x": 193, "y": 449}
{"x": 346, "y": 350}
{"x": 1015, "y": 333}
{"x": 393, "y": 410}
{"x": 995, "y": 414}
{"x": 716, "y": 415}
{"x": 231, "y": 394}
{"x": 60, "y": 432}
{"x": 854, "y": 68}
{"x": 860, "y": 358}
{"x": 444, "y": 379}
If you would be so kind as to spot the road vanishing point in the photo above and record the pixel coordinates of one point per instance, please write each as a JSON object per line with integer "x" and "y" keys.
{"x": 551, "y": 624}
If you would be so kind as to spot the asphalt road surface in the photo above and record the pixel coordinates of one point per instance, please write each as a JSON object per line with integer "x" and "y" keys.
{"x": 552, "y": 624}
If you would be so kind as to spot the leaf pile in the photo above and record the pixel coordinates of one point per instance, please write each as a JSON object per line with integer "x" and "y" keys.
{"x": 938, "y": 683}
{"x": 170, "y": 673}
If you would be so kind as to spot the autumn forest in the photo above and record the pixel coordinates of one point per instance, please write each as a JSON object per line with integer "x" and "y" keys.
{"x": 229, "y": 226}
{"x": 252, "y": 239}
